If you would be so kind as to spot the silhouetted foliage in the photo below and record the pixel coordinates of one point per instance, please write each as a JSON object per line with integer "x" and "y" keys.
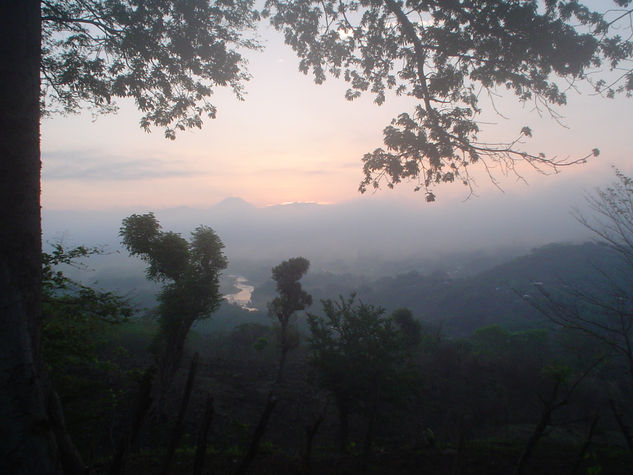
{"x": 168, "y": 56}
{"x": 603, "y": 311}
{"x": 445, "y": 55}
{"x": 190, "y": 272}
{"x": 75, "y": 317}
{"x": 425, "y": 401}
{"x": 613, "y": 215}
{"x": 410, "y": 328}
{"x": 292, "y": 298}
{"x": 85, "y": 363}
{"x": 359, "y": 355}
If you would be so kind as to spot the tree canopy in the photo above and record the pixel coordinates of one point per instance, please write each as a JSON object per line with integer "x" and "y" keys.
{"x": 602, "y": 310}
{"x": 169, "y": 56}
{"x": 292, "y": 299}
{"x": 191, "y": 272}
{"x": 166, "y": 55}
{"x": 361, "y": 356}
{"x": 74, "y": 315}
{"x": 446, "y": 55}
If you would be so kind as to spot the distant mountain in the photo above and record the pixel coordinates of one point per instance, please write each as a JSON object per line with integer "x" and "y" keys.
{"x": 233, "y": 204}
{"x": 365, "y": 236}
{"x": 497, "y": 295}
{"x": 461, "y": 291}
{"x": 462, "y": 304}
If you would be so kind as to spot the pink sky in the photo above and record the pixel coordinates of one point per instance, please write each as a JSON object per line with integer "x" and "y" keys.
{"x": 291, "y": 140}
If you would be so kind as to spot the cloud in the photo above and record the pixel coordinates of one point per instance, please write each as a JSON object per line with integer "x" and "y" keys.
{"x": 295, "y": 171}
{"x": 320, "y": 172}
{"x": 314, "y": 168}
{"x": 92, "y": 166}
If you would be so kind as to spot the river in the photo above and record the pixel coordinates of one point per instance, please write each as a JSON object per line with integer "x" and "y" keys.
{"x": 243, "y": 297}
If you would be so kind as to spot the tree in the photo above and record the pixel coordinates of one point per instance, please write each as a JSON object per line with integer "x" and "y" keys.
{"x": 561, "y": 391}
{"x": 292, "y": 298}
{"x": 75, "y": 323}
{"x": 28, "y": 441}
{"x": 98, "y": 50}
{"x": 410, "y": 328}
{"x": 444, "y": 54}
{"x": 360, "y": 355}
{"x": 604, "y": 312}
{"x": 74, "y": 315}
{"x": 168, "y": 56}
{"x": 613, "y": 218}
{"x": 190, "y": 272}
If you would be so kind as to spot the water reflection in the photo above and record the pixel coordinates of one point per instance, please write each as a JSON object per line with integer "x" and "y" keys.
{"x": 243, "y": 297}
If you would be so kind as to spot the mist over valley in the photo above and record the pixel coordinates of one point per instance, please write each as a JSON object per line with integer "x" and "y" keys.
{"x": 392, "y": 254}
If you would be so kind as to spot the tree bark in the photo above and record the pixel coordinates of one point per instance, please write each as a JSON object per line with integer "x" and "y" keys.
{"x": 585, "y": 446}
{"x": 28, "y": 444}
{"x": 311, "y": 432}
{"x": 282, "y": 364}
{"x": 343, "y": 429}
{"x": 621, "y": 424}
{"x": 170, "y": 349}
{"x": 142, "y": 408}
{"x": 180, "y": 420}
{"x": 249, "y": 458}
{"x": 69, "y": 457}
{"x": 203, "y": 435}
{"x": 549, "y": 406}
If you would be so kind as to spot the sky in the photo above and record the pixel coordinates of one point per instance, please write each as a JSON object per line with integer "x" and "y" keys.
{"x": 294, "y": 141}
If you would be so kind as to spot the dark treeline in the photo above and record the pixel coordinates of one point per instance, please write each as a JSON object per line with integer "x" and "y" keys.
{"x": 465, "y": 293}
{"x": 418, "y": 373}
{"x": 169, "y": 58}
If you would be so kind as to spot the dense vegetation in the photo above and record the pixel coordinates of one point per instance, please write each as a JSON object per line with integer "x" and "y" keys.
{"x": 169, "y": 57}
{"x": 470, "y": 377}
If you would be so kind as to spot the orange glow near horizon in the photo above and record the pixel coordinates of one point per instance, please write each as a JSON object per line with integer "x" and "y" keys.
{"x": 290, "y": 141}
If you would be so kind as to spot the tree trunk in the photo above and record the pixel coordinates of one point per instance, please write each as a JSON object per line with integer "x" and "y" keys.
{"x": 249, "y": 458}
{"x": 203, "y": 435}
{"x": 622, "y": 425}
{"x": 142, "y": 407}
{"x": 371, "y": 426}
{"x": 311, "y": 432}
{"x": 69, "y": 457}
{"x": 180, "y": 420}
{"x": 28, "y": 443}
{"x": 283, "y": 345}
{"x": 282, "y": 365}
{"x": 170, "y": 349}
{"x": 343, "y": 429}
{"x": 537, "y": 434}
{"x": 585, "y": 446}
{"x": 549, "y": 406}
